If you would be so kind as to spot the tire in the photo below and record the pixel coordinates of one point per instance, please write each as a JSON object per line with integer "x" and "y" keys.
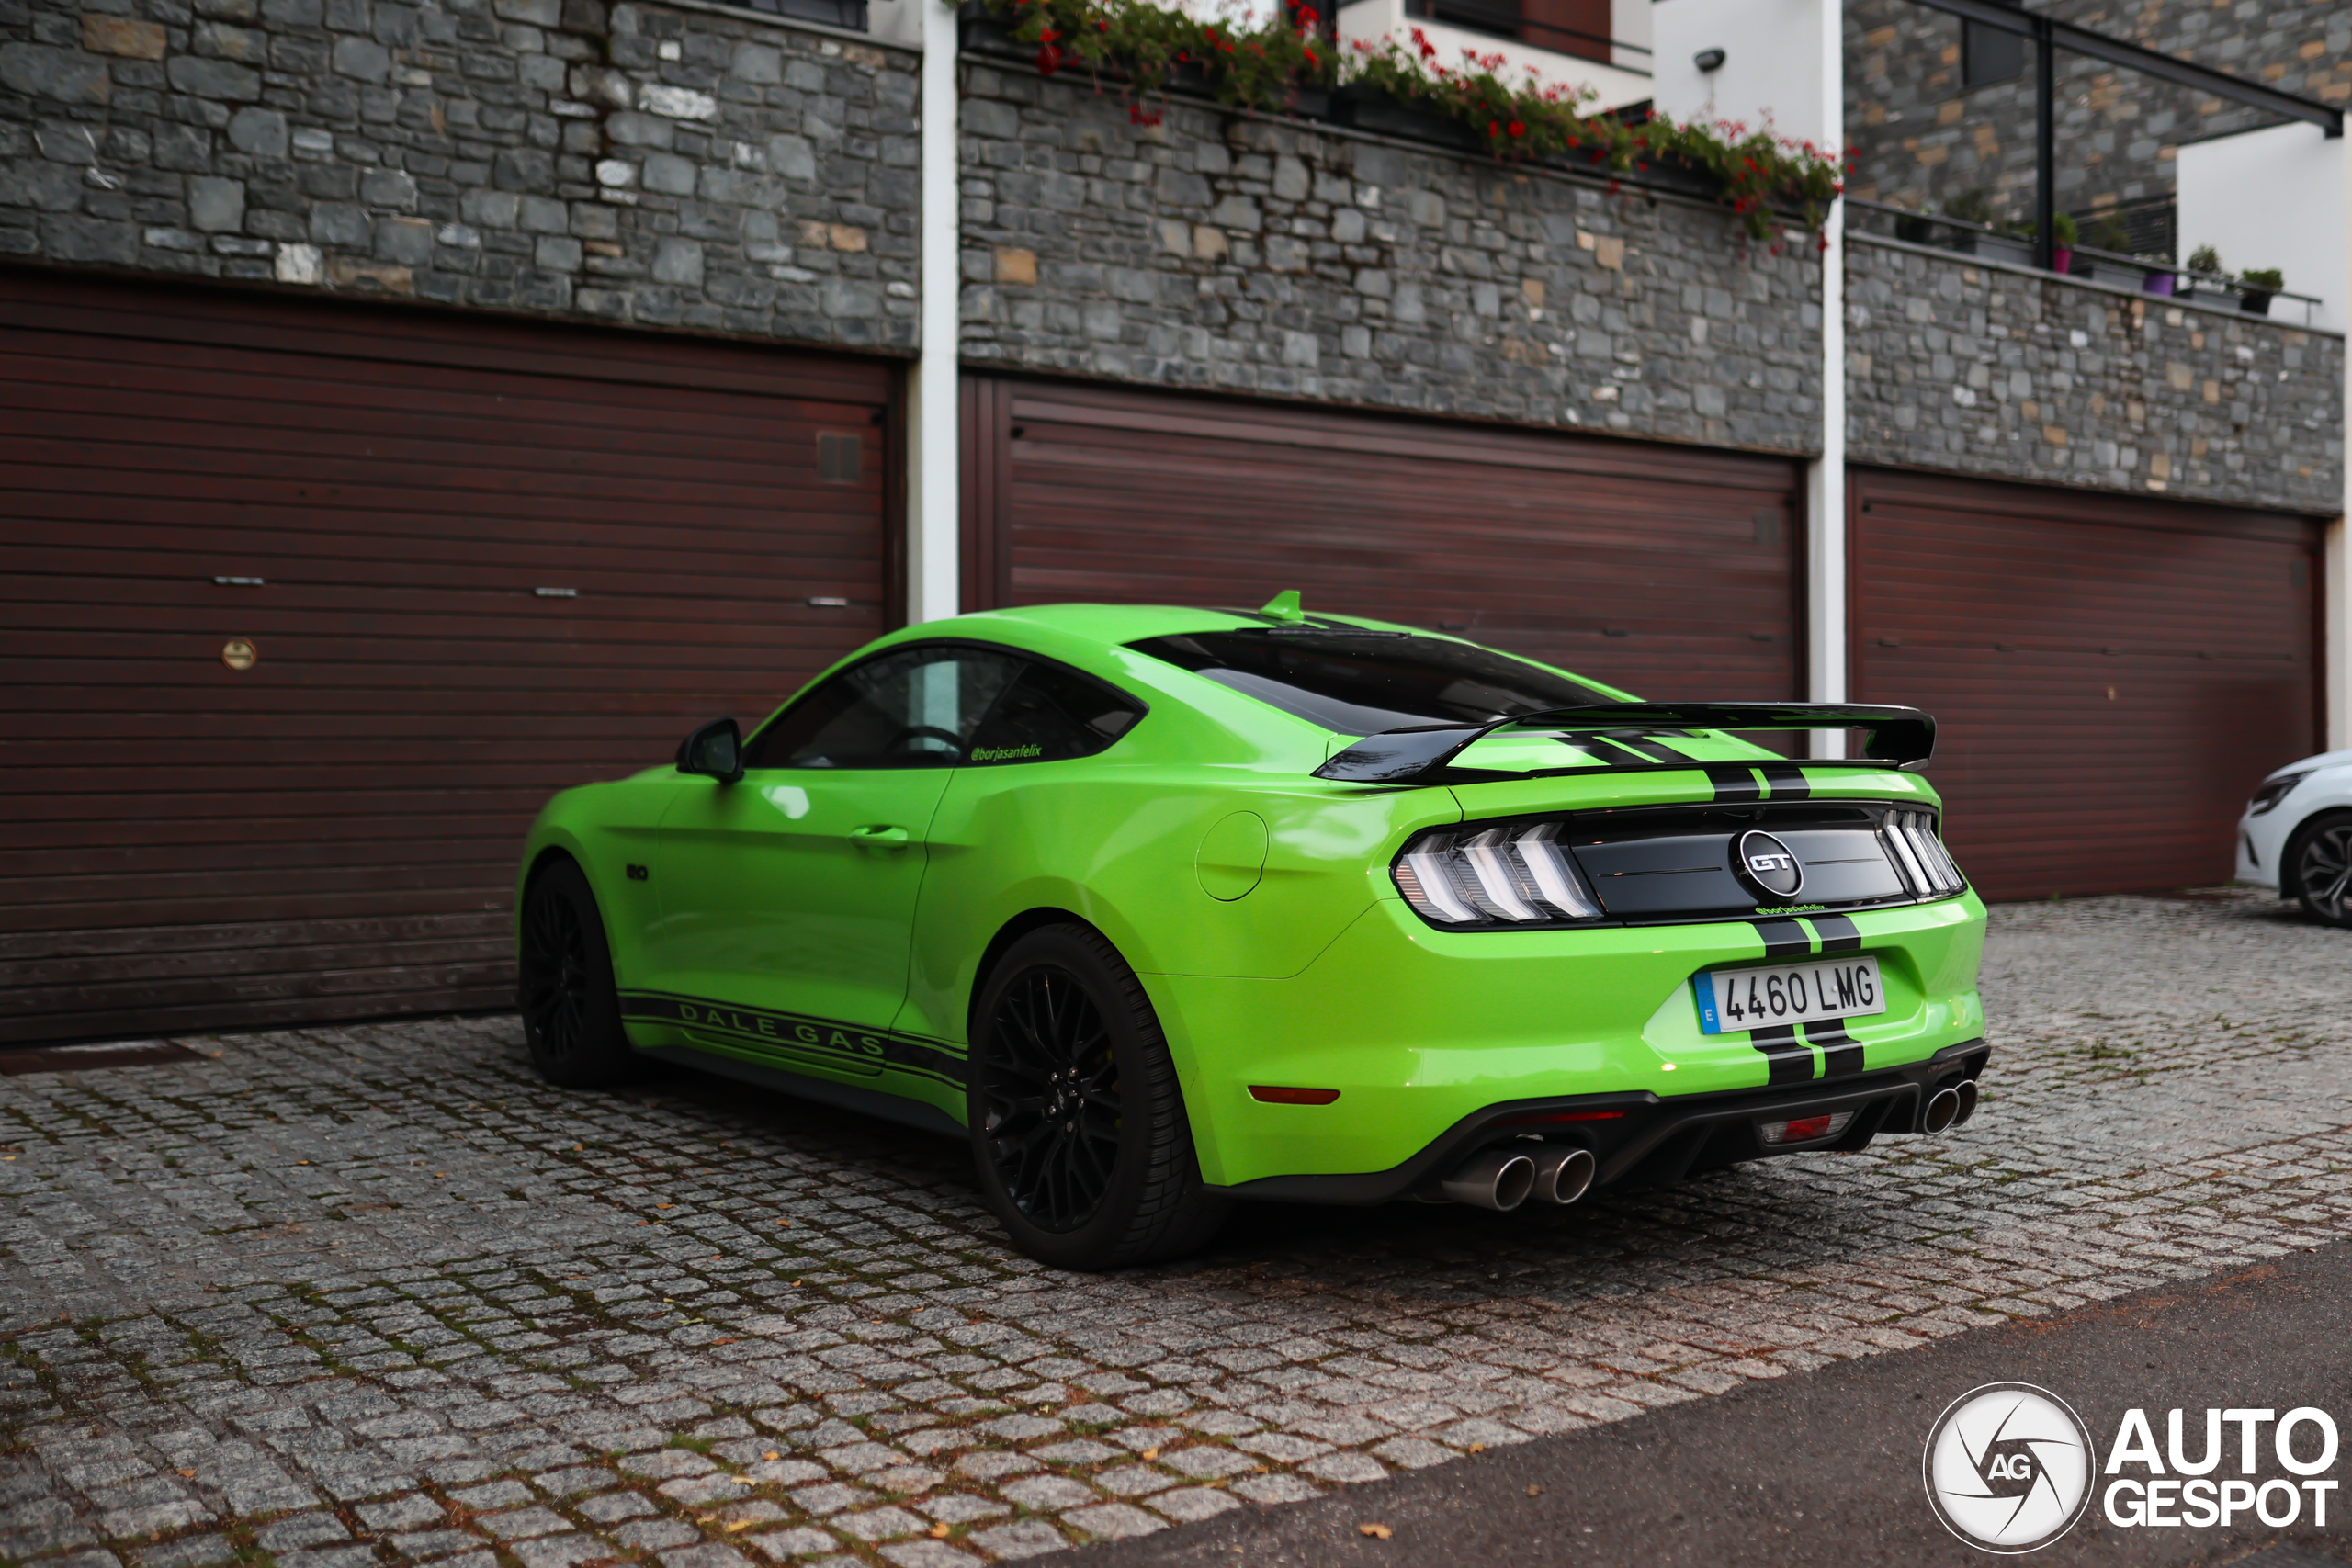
{"x": 2319, "y": 857}
{"x": 571, "y": 1019}
{"x": 1063, "y": 1022}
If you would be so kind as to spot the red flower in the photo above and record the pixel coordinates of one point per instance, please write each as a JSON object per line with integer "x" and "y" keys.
{"x": 1518, "y": 127}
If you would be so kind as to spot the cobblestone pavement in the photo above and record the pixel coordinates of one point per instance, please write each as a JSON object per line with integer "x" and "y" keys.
{"x": 375, "y": 1294}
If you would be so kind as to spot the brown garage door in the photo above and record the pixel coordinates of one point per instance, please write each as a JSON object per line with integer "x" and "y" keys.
{"x": 1668, "y": 570}
{"x": 2111, "y": 677}
{"x": 477, "y": 560}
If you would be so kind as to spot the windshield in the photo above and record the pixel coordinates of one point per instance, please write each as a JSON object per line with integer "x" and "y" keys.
{"x": 1364, "y": 683}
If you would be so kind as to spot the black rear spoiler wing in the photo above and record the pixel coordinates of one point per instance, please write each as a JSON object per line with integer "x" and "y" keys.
{"x": 1899, "y": 737}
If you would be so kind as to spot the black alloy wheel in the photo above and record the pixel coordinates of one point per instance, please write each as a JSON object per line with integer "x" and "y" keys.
{"x": 2320, "y": 857}
{"x": 1077, "y": 1127}
{"x": 1053, "y": 1099}
{"x": 564, "y": 984}
{"x": 554, "y": 983}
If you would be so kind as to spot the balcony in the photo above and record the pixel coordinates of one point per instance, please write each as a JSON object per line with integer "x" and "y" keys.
{"x": 2154, "y": 274}
{"x": 1575, "y": 45}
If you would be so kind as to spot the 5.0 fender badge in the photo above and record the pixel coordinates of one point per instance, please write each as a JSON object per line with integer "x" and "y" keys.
{"x": 1767, "y": 864}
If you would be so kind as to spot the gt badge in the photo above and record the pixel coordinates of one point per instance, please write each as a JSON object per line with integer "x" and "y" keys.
{"x": 1768, "y": 865}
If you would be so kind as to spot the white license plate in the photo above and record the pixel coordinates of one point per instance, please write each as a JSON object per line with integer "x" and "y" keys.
{"x": 1731, "y": 1002}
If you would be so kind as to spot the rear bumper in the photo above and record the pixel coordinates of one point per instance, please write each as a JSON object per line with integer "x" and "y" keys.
{"x": 1653, "y": 1139}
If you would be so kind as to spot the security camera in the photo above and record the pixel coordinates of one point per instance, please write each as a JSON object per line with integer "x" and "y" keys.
{"x": 1708, "y": 60}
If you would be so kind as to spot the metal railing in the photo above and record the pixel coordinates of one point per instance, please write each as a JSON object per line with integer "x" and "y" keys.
{"x": 2151, "y": 275}
{"x": 2048, "y": 35}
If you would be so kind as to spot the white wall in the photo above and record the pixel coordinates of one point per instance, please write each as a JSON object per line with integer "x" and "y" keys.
{"x": 1773, "y": 65}
{"x": 2271, "y": 197}
{"x": 1629, "y": 23}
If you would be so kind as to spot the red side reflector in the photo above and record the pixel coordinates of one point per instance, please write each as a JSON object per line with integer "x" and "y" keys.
{"x": 1542, "y": 1118}
{"x": 1274, "y": 1095}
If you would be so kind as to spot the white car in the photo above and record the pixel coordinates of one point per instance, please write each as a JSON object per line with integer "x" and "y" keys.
{"x": 2296, "y": 836}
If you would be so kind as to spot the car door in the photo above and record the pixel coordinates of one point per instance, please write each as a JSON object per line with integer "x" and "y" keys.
{"x": 786, "y": 898}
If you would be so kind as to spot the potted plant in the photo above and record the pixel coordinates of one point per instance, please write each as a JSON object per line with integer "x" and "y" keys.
{"x": 1971, "y": 214}
{"x": 2256, "y": 286}
{"x": 2061, "y": 254}
{"x": 2202, "y": 274}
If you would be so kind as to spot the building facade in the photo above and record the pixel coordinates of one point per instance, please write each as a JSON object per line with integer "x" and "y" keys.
{"x": 415, "y": 409}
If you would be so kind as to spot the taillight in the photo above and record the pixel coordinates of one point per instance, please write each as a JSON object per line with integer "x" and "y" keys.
{"x": 1805, "y": 1129}
{"x": 1919, "y": 855}
{"x": 1474, "y": 876}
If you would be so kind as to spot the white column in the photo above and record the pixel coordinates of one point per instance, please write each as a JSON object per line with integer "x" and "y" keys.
{"x": 934, "y": 464}
{"x": 2336, "y": 603}
{"x": 1825, "y": 549}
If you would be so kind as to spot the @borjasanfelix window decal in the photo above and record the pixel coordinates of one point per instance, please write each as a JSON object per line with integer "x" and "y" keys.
{"x": 2008, "y": 1467}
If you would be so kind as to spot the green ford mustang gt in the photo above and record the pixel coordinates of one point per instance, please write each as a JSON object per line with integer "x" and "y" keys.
{"x": 1163, "y": 907}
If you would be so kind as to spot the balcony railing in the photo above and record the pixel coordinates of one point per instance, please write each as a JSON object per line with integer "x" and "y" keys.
{"x": 2151, "y": 275}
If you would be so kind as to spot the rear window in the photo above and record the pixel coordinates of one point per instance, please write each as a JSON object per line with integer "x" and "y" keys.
{"x": 1364, "y": 683}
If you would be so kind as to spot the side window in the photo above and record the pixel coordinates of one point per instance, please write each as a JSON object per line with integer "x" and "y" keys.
{"x": 913, "y": 708}
{"x": 1049, "y": 713}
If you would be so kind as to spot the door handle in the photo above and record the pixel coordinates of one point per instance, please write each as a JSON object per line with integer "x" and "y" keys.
{"x": 881, "y": 836}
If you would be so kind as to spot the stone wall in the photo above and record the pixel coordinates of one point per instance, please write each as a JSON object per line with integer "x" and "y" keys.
{"x": 1923, "y": 140}
{"x": 1217, "y": 250}
{"x": 630, "y": 163}
{"x": 2013, "y": 374}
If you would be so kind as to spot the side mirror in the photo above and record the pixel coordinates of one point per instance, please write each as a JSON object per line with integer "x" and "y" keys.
{"x": 716, "y": 750}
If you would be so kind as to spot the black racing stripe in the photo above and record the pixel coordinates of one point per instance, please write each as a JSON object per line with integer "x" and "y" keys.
{"x": 1787, "y": 780}
{"x": 1733, "y": 784}
{"x": 843, "y": 1046}
{"x": 1837, "y": 933}
{"x": 1787, "y": 1059}
{"x": 1655, "y": 750}
{"x": 1840, "y": 1053}
{"x": 1603, "y": 749}
{"x": 1783, "y": 938}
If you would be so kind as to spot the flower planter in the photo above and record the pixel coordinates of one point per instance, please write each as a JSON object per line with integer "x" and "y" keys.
{"x": 2159, "y": 283}
{"x": 980, "y": 32}
{"x": 1994, "y": 247}
{"x": 1360, "y": 106}
{"x": 2255, "y": 301}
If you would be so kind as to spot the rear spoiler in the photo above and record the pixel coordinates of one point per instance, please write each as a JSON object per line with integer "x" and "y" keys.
{"x": 1899, "y": 737}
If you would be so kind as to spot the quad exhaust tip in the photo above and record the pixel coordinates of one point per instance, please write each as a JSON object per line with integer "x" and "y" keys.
{"x": 1497, "y": 1180}
{"x": 1563, "y": 1173}
{"x": 1503, "y": 1178}
{"x": 1950, "y": 1107}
